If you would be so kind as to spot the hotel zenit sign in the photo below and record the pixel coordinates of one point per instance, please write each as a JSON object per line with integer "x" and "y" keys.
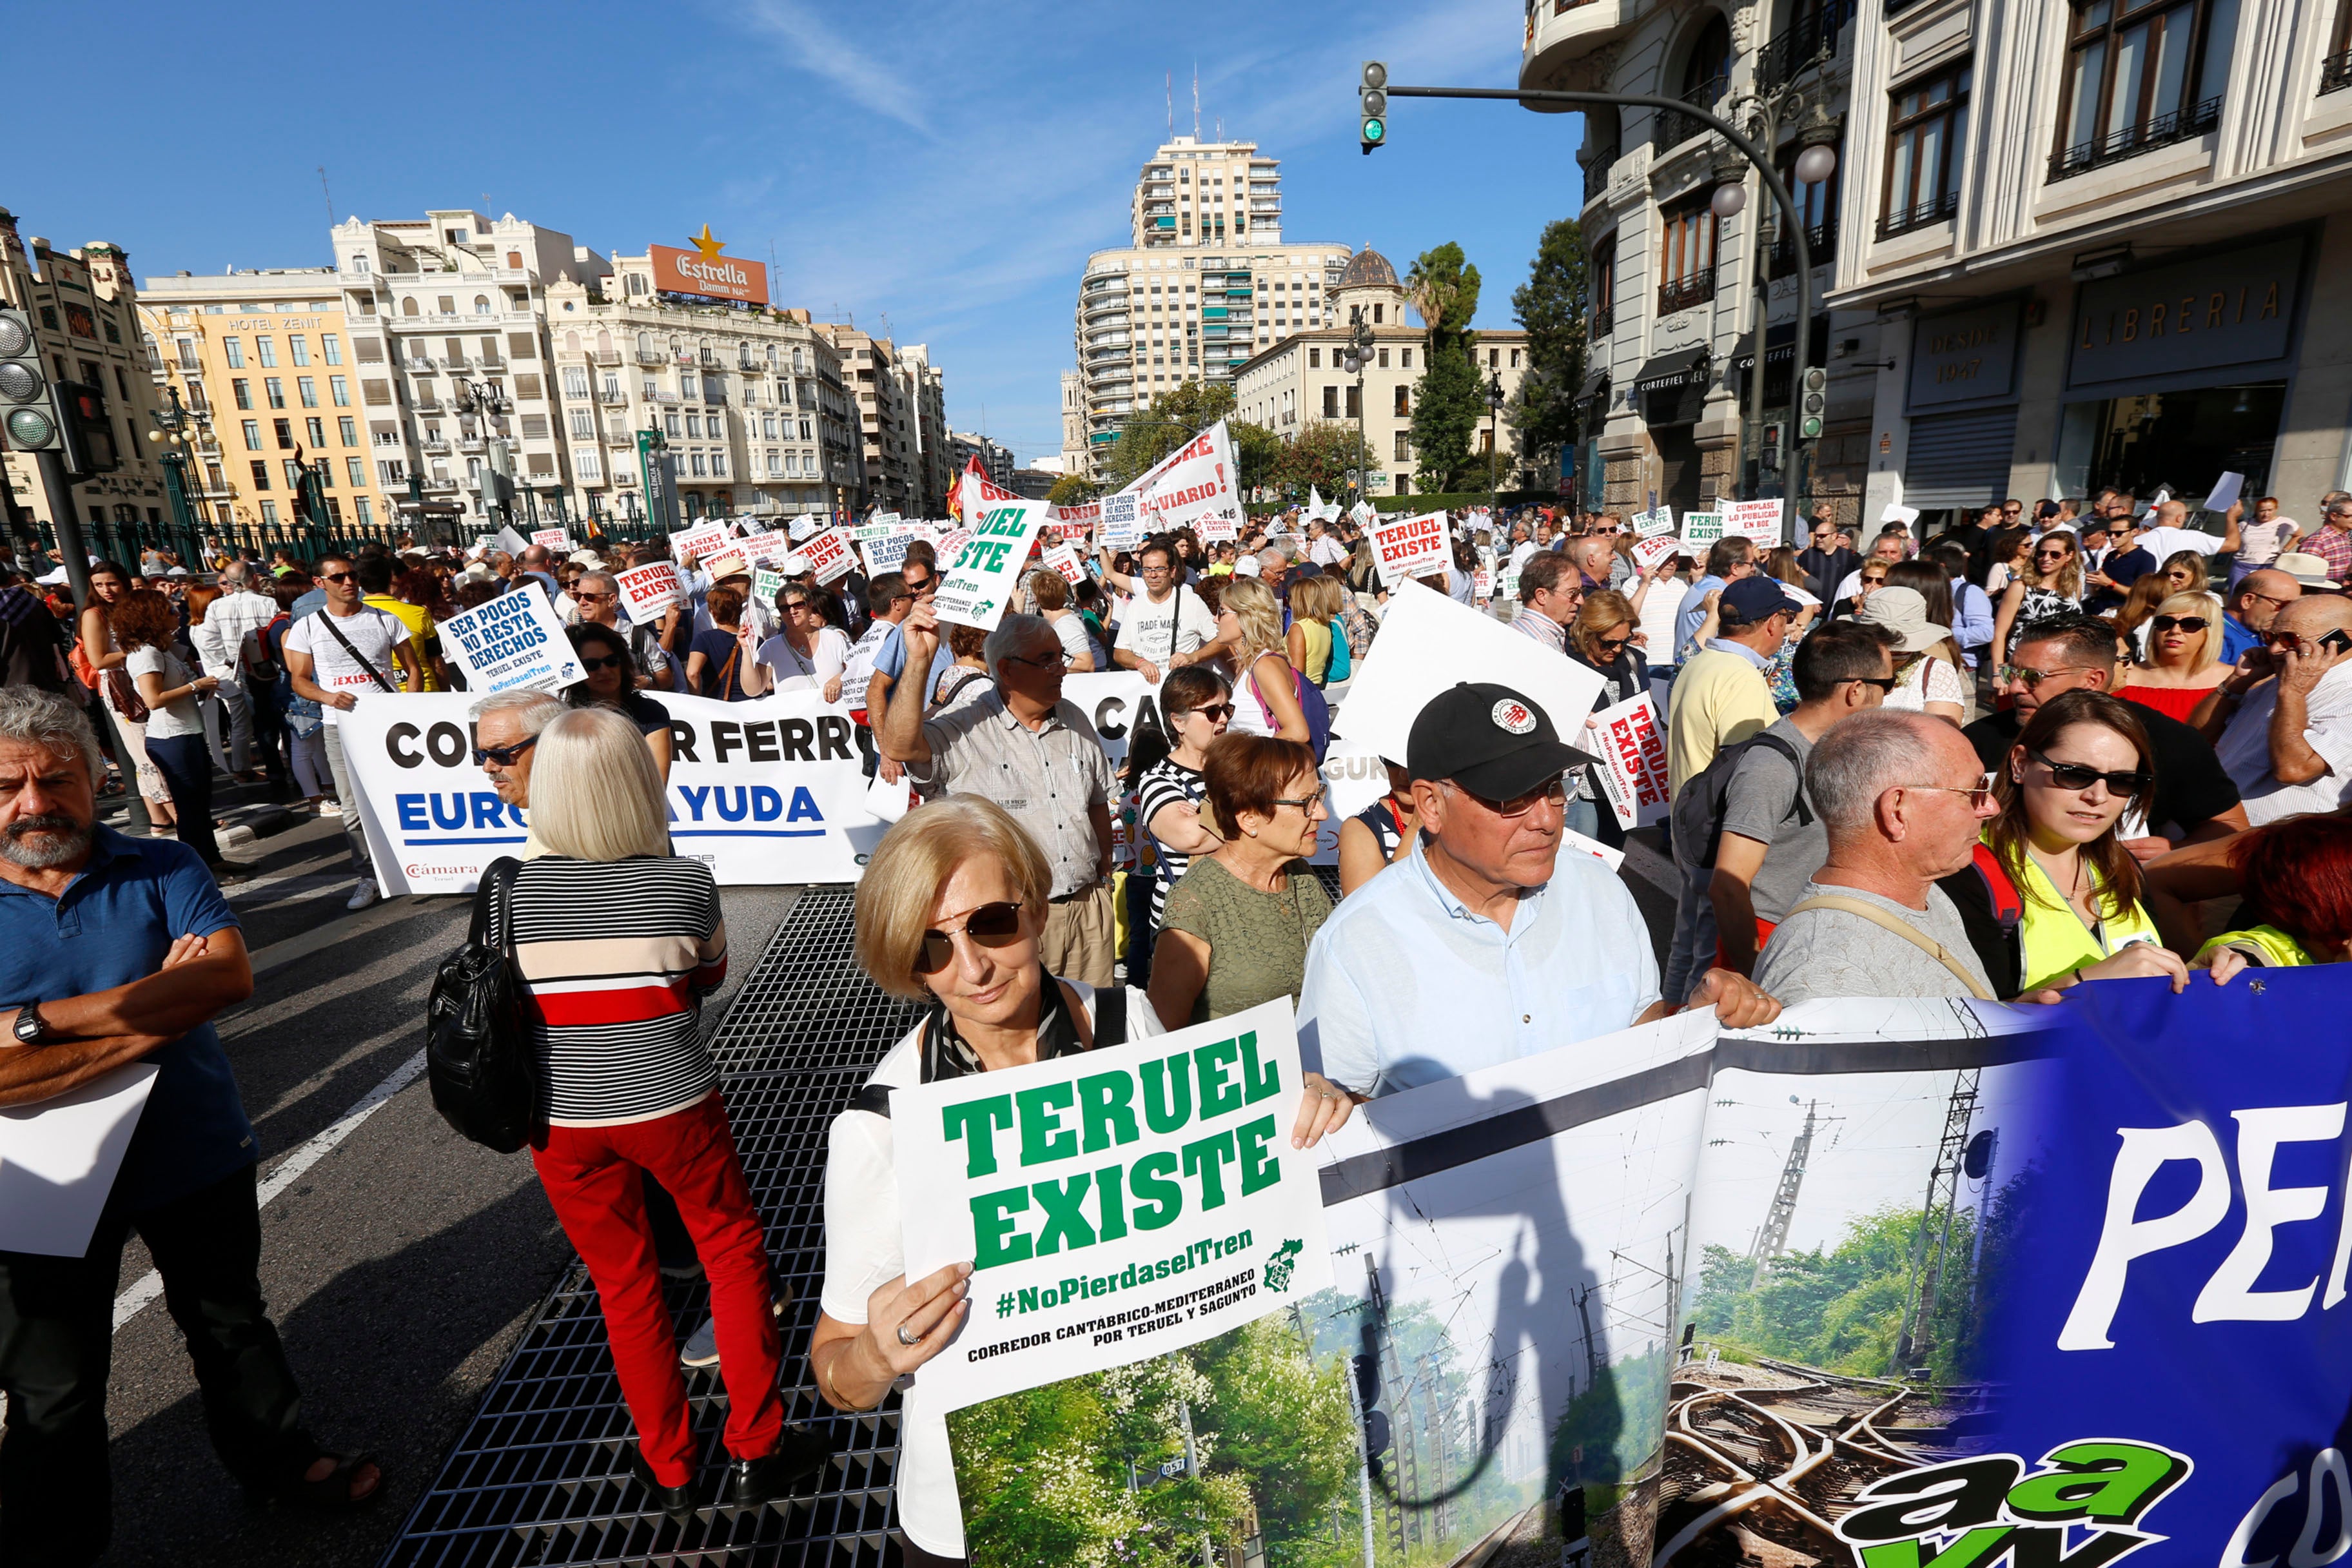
{"x": 703, "y": 270}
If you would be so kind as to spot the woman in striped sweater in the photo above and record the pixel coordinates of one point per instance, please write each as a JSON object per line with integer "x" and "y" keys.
{"x": 617, "y": 942}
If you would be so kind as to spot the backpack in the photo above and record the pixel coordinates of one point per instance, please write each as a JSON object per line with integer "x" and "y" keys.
{"x": 1312, "y": 703}
{"x": 1343, "y": 663}
{"x": 1698, "y": 805}
{"x": 1991, "y": 911}
{"x": 477, "y": 1049}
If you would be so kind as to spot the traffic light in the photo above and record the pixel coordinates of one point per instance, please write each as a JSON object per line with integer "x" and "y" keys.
{"x": 1816, "y": 403}
{"x": 1768, "y": 458}
{"x": 27, "y": 417}
{"x": 1373, "y": 100}
{"x": 86, "y": 434}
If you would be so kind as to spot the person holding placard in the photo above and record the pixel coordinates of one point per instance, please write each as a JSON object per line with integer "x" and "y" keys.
{"x": 650, "y": 642}
{"x": 807, "y": 655}
{"x": 334, "y": 655}
{"x": 1602, "y": 640}
{"x": 722, "y": 663}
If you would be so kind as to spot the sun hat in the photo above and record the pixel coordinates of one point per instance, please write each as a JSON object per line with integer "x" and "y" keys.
{"x": 1904, "y": 612}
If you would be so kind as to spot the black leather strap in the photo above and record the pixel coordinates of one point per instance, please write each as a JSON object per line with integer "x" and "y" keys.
{"x": 1111, "y": 1029}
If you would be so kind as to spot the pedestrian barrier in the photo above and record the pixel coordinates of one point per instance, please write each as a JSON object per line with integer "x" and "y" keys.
{"x": 540, "y": 1475}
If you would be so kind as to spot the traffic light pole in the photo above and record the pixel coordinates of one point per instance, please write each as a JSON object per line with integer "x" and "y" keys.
{"x": 1760, "y": 157}
{"x": 68, "y": 527}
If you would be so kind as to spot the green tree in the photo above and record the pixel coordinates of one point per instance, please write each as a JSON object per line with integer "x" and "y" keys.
{"x": 1447, "y": 405}
{"x": 1073, "y": 489}
{"x": 1171, "y": 419}
{"x": 1550, "y": 306}
{"x": 1320, "y": 458}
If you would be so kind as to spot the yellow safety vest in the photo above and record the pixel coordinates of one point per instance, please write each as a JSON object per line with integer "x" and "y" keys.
{"x": 2055, "y": 938}
{"x": 2265, "y": 946}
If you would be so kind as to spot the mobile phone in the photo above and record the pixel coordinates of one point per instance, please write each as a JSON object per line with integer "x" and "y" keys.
{"x": 2336, "y": 641}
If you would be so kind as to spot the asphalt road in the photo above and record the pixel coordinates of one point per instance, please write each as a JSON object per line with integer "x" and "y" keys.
{"x": 401, "y": 1263}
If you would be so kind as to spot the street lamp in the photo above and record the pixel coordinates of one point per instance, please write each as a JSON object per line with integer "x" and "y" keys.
{"x": 1494, "y": 435}
{"x": 177, "y": 426}
{"x": 482, "y": 398}
{"x": 1353, "y": 359}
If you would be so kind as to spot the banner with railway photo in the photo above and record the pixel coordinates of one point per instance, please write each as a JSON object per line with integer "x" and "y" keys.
{"x": 1654, "y": 1296}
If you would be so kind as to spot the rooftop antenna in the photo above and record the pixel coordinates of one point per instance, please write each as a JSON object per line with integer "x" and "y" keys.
{"x": 1196, "y": 101}
{"x": 1170, "y": 83}
{"x": 327, "y": 194}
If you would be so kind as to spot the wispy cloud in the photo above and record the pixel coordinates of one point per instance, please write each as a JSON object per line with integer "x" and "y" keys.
{"x": 814, "y": 46}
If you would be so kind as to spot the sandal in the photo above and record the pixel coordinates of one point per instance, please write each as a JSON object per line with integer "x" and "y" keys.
{"x": 331, "y": 1493}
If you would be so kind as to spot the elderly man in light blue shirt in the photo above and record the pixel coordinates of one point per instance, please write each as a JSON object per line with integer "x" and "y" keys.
{"x": 1728, "y": 561}
{"x": 1482, "y": 945}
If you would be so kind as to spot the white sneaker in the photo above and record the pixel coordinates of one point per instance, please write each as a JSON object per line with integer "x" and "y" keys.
{"x": 330, "y": 808}
{"x": 363, "y": 896}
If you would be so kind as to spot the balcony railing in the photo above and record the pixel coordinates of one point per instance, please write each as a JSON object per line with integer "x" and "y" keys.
{"x": 612, "y": 398}
{"x": 1681, "y": 294}
{"x": 1935, "y": 209}
{"x": 1808, "y": 36}
{"x": 2159, "y": 131}
{"x": 1670, "y": 127}
{"x": 652, "y": 356}
{"x": 1821, "y": 239}
{"x": 1596, "y": 168}
{"x": 2336, "y": 72}
{"x": 608, "y": 356}
{"x": 1604, "y": 320}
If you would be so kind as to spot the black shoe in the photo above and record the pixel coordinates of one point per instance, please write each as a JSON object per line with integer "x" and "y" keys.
{"x": 800, "y": 1455}
{"x": 676, "y": 1503}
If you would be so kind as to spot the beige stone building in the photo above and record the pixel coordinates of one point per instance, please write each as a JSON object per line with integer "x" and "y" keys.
{"x": 85, "y": 314}
{"x": 1300, "y": 380}
{"x": 899, "y": 412}
{"x": 1205, "y": 282}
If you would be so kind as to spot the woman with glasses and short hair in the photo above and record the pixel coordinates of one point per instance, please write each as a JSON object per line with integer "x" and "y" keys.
{"x": 1237, "y": 926}
{"x": 2180, "y": 661}
{"x": 2044, "y": 586}
{"x": 949, "y": 914}
{"x": 1601, "y": 638}
{"x": 611, "y": 681}
{"x": 1164, "y": 770}
{"x": 807, "y": 655}
{"x": 2082, "y": 764}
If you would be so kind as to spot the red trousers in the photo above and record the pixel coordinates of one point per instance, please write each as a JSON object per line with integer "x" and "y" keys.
{"x": 591, "y": 1174}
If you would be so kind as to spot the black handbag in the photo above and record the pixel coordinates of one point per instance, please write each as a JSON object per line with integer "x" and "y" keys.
{"x": 478, "y": 1047}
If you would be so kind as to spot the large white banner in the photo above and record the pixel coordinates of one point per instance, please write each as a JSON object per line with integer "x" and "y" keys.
{"x": 1114, "y": 1204}
{"x": 764, "y": 792}
{"x": 1193, "y": 485}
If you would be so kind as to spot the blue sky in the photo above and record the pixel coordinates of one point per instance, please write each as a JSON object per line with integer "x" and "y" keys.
{"x": 943, "y": 170}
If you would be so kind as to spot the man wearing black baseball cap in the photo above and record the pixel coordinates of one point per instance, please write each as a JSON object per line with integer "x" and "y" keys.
{"x": 1483, "y": 945}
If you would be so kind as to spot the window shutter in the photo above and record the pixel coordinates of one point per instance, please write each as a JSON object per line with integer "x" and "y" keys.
{"x": 520, "y": 346}
{"x": 376, "y": 392}
{"x": 370, "y": 350}
{"x": 526, "y": 385}
{"x": 541, "y": 463}
{"x": 534, "y": 426}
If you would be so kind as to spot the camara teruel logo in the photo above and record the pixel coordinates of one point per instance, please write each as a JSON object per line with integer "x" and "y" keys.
{"x": 1990, "y": 1509}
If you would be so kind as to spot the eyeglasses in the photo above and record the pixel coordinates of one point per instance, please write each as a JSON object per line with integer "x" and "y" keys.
{"x": 2052, "y": 554}
{"x": 1612, "y": 644}
{"x": 1553, "y": 794}
{"x": 1035, "y": 661}
{"x": 2288, "y": 640}
{"x": 928, "y": 585}
{"x": 1307, "y": 803}
{"x": 991, "y": 925}
{"x": 592, "y": 665}
{"x": 505, "y": 756}
{"x": 1980, "y": 793}
{"x": 2019, "y": 675}
{"x": 1212, "y": 711}
{"x": 2270, "y": 599}
{"x": 334, "y": 577}
{"x": 1885, "y": 683}
{"x": 2186, "y": 623}
{"x": 586, "y": 596}
{"x": 2076, "y": 776}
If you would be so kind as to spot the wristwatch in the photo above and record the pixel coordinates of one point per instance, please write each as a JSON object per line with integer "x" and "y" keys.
{"x": 30, "y": 1029}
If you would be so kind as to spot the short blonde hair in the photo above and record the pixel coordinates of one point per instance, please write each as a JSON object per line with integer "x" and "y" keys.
{"x": 1254, "y": 604}
{"x": 1316, "y": 598}
{"x": 1050, "y": 589}
{"x": 2208, "y": 645}
{"x": 594, "y": 792}
{"x": 914, "y": 861}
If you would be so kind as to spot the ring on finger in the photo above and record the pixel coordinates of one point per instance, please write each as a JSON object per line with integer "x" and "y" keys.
{"x": 907, "y": 1339}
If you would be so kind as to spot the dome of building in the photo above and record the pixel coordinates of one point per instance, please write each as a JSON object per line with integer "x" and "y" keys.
{"x": 1368, "y": 268}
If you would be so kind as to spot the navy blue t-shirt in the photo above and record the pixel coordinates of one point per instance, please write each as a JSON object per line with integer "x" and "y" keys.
{"x": 112, "y": 925}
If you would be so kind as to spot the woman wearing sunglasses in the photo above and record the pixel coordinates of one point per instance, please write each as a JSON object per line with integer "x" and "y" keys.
{"x": 1601, "y": 639}
{"x": 2046, "y": 585}
{"x": 807, "y": 655}
{"x": 949, "y": 913}
{"x": 2082, "y": 762}
{"x": 1236, "y": 928}
{"x": 1195, "y": 707}
{"x": 2180, "y": 662}
{"x": 612, "y": 682}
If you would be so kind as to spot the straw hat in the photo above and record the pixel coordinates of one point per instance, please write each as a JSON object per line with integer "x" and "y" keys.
{"x": 727, "y": 566}
{"x": 1904, "y": 612}
{"x": 2311, "y": 571}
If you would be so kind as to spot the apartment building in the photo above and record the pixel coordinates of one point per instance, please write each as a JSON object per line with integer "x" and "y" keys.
{"x": 2095, "y": 234}
{"x": 85, "y": 315}
{"x": 1678, "y": 293}
{"x": 1300, "y": 380}
{"x": 890, "y": 390}
{"x": 926, "y": 386}
{"x": 996, "y": 457}
{"x": 1205, "y": 282}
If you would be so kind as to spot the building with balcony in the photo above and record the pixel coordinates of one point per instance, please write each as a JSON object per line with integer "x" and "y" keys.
{"x": 996, "y": 457}
{"x": 897, "y": 407}
{"x": 2094, "y": 235}
{"x": 1678, "y": 294}
{"x": 266, "y": 361}
{"x": 1301, "y": 380}
{"x": 1205, "y": 282}
{"x": 86, "y": 318}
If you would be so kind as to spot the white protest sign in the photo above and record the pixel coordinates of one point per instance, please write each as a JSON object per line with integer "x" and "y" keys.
{"x": 697, "y": 544}
{"x": 766, "y": 792}
{"x": 2225, "y": 492}
{"x": 801, "y": 527}
{"x": 511, "y": 541}
{"x": 1408, "y": 547}
{"x": 1571, "y": 839}
{"x": 766, "y": 584}
{"x": 978, "y": 582}
{"x": 1122, "y": 520}
{"x": 1064, "y": 559}
{"x": 484, "y": 543}
{"x": 1699, "y": 532}
{"x": 1648, "y": 552}
{"x": 976, "y": 492}
{"x": 1898, "y": 512}
{"x": 865, "y": 533}
{"x": 1194, "y": 484}
{"x": 859, "y": 673}
{"x": 1427, "y": 644}
{"x": 1632, "y": 745}
{"x": 887, "y": 555}
{"x": 1186, "y": 1214}
{"x": 555, "y": 541}
{"x": 1506, "y": 582}
{"x": 59, "y": 1156}
{"x": 830, "y": 554}
{"x": 1482, "y": 583}
{"x": 1654, "y": 524}
{"x": 1758, "y": 522}
{"x": 646, "y": 591}
{"x": 1073, "y": 521}
{"x": 765, "y": 549}
{"x": 513, "y": 642}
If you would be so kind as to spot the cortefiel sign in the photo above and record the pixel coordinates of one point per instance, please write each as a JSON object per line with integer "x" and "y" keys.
{"x": 513, "y": 641}
{"x": 703, "y": 270}
{"x": 1114, "y": 1204}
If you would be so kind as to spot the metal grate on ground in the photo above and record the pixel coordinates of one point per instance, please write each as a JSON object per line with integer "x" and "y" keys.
{"x": 540, "y": 1476}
